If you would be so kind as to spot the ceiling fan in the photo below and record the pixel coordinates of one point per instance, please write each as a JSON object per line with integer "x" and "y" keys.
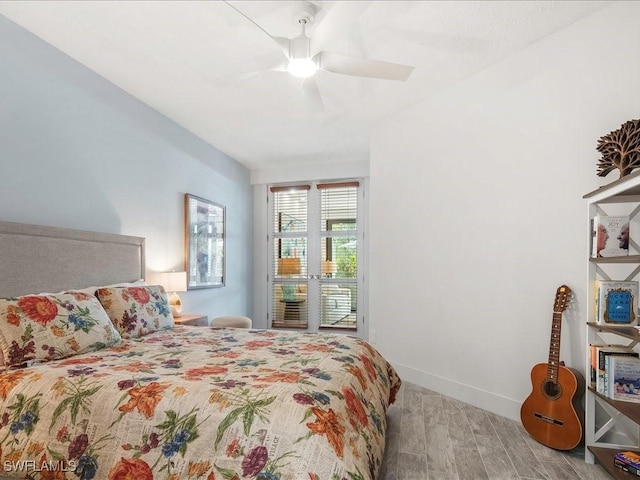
{"x": 300, "y": 63}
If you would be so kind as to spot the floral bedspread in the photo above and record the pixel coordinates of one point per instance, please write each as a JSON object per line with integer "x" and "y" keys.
{"x": 196, "y": 402}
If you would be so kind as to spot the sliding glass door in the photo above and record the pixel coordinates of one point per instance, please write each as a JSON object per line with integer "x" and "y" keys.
{"x": 314, "y": 247}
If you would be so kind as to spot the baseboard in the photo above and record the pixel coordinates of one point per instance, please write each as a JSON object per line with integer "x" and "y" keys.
{"x": 489, "y": 401}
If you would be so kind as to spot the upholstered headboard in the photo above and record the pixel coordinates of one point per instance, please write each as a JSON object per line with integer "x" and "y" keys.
{"x": 35, "y": 259}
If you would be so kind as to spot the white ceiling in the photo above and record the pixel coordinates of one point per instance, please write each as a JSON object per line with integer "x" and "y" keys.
{"x": 186, "y": 59}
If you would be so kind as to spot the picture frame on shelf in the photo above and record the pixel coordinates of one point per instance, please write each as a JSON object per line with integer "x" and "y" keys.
{"x": 610, "y": 236}
{"x": 204, "y": 242}
{"x": 617, "y": 302}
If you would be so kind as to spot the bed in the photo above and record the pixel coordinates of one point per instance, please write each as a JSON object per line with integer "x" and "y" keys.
{"x": 149, "y": 400}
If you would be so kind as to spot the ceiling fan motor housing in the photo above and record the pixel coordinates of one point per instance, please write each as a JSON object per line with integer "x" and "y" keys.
{"x": 304, "y": 11}
{"x": 300, "y": 47}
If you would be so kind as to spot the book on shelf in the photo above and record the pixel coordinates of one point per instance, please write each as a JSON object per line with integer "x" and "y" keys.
{"x": 624, "y": 378}
{"x": 617, "y": 302}
{"x": 610, "y": 236}
{"x": 593, "y": 361}
{"x": 602, "y": 352}
{"x": 628, "y": 461}
{"x": 608, "y": 385}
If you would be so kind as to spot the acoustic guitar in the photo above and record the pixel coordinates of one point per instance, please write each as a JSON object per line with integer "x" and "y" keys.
{"x": 553, "y": 414}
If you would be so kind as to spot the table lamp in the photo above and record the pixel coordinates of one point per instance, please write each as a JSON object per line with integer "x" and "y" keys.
{"x": 329, "y": 267}
{"x": 289, "y": 266}
{"x": 174, "y": 282}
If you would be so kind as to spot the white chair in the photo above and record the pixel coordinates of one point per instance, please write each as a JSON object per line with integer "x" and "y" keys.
{"x": 232, "y": 321}
{"x": 336, "y": 304}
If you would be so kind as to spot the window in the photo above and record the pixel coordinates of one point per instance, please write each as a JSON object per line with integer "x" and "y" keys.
{"x": 290, "y": 286}
{"x": 339, "y": 254}
{"x": 315, "y": 240}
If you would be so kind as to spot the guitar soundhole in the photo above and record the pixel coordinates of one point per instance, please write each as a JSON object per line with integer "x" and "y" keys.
{"x": 551, "y": 390}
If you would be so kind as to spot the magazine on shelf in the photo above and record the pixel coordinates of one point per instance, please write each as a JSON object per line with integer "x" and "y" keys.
{"x": 610, "y": 236}
{"x": 617, "y": 302}
{"x": 624, "y": 378}
{"x": 626, "y": 467}
{"x": 629, "y": 458}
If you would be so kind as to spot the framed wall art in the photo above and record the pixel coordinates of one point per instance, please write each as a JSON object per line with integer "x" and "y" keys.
{"x": 204, "y": 243}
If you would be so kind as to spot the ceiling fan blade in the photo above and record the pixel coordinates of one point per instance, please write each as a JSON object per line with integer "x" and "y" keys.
{"x": 278, "y": 67}
{"x": 225, "y": 82}
{"x": 282, "y": 42}
{"x": 312, "y": 93}
{"x": 362, "y": 67}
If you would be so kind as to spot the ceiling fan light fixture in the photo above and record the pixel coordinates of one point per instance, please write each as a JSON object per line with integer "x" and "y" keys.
{"x": 302, "y": 67}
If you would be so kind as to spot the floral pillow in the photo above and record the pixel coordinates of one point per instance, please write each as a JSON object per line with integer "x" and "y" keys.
{"x": 49, "y": 327}
{"x": 136, "y": 311}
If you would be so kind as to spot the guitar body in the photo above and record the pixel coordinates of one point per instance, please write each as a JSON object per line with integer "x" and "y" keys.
{"x": 552, "y": 414}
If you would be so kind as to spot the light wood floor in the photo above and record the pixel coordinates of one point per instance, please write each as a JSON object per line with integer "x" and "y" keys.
{"x": 434, "y": 437}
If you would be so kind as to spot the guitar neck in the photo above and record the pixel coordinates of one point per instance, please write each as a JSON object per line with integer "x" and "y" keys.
{"x": 554, "y": 347}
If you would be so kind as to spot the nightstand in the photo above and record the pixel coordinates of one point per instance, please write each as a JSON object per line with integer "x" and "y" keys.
{"x": 194, "y": 319}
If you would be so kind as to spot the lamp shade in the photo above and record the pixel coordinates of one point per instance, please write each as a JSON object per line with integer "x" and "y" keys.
{"x": 289, "y": 266}
{"x": 174, "y": 281}
{"x": 329, "y": 267}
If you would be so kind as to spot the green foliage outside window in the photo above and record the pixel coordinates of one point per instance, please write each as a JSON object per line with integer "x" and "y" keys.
{"x": 347, "y": 266}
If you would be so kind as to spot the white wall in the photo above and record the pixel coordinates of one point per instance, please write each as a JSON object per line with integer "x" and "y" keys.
{"x": 477, "y": 213}
{"x": 78, "y": 152}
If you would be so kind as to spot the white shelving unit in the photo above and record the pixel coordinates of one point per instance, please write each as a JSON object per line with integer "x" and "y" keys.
{"x": 611, "y": 426}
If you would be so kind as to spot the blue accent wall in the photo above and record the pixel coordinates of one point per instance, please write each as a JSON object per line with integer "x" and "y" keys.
{"x": 76, "y": 151}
